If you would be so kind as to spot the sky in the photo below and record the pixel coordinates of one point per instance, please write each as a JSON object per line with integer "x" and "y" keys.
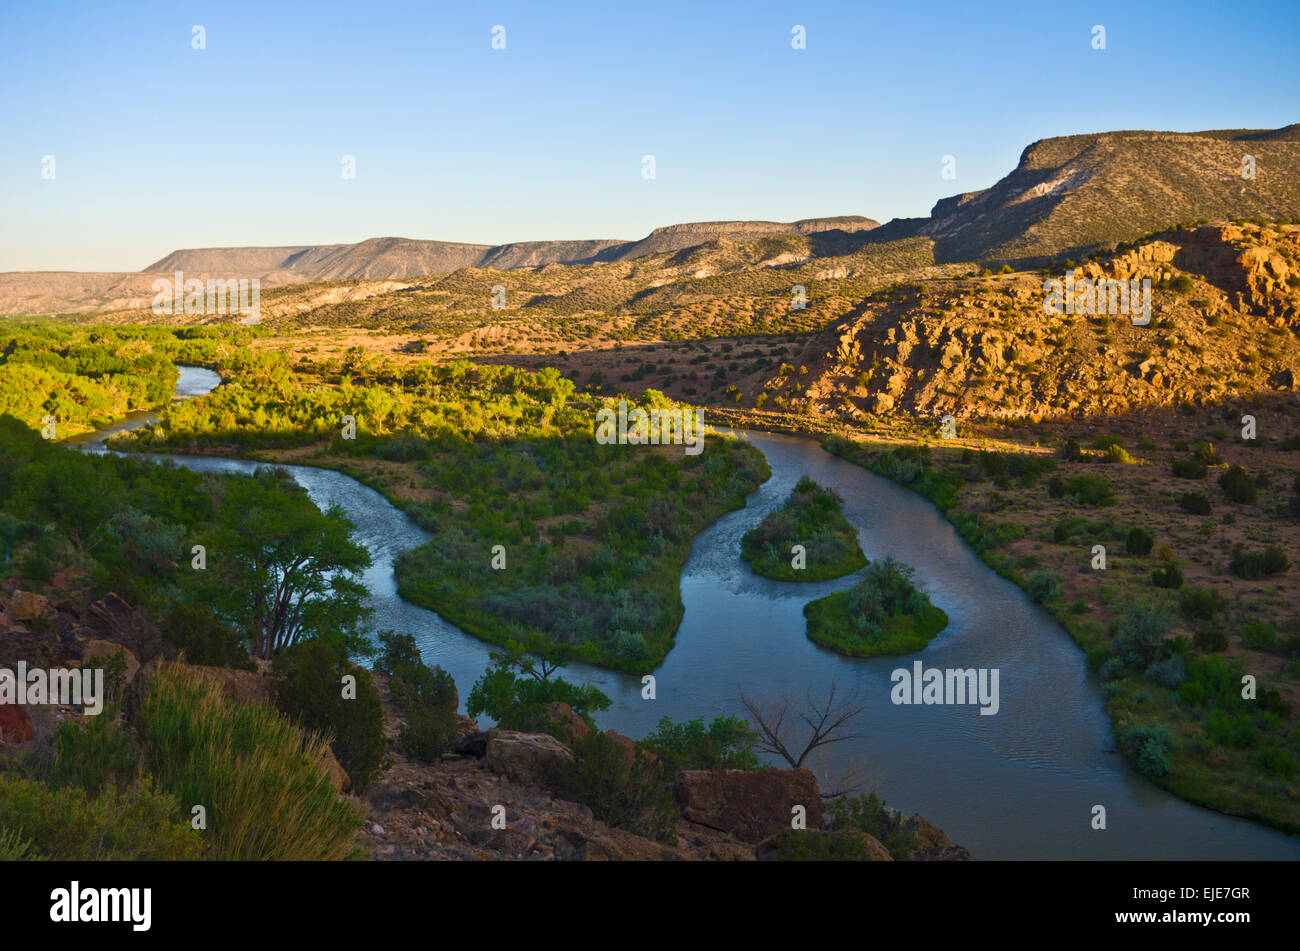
{"x": 157, "y": 145}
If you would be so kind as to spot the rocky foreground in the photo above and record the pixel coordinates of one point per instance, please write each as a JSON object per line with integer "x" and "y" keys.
{"x": 487, "y": 801}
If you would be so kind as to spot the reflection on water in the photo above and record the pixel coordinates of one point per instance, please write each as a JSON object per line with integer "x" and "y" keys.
{"x": 1020, "y": 784}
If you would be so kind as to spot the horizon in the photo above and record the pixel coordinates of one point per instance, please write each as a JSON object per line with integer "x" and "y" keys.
{"x": 544, "y": 140}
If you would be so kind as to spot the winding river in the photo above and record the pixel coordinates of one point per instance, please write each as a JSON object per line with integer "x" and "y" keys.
{"x": 1016, "y": 785}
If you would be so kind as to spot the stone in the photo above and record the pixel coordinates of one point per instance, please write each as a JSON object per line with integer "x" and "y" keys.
{"x": 525, "y": 757}
{"x": 27, "y": 606}
{"x": 101, "y": 650}
{"x": 750, "y": 804}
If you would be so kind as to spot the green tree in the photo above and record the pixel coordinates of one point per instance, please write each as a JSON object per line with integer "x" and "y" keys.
{"x": 289, "y": 570}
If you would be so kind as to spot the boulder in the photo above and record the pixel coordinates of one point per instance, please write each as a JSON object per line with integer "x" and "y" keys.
{"x": 339, "y": 778}
{"x": 566, "y": 724}
{"x": 750, "y": 804}
{"x": 102, "y": 650}
{"x": 525, "y": 757}
{"x": 473, "y": 744}
{"x": 27, "y": 606}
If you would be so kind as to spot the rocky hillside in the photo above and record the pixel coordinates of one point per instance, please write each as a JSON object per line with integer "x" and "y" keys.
{"x": 445, "y": 811}
{"x": 1225, "y": 312}
{"x": 1076, "y": 193}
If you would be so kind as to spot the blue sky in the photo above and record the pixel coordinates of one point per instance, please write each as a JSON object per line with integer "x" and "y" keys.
{"x": 159, "y": 146}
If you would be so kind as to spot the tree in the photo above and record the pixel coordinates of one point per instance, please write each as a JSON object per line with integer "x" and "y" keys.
{"x": 823, "y": 722}
{"x": 289, "y": 570}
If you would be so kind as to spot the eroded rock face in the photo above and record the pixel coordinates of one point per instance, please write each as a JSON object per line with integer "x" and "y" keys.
{"x": 525, "y": 757}
{"x": 750, "y": 804}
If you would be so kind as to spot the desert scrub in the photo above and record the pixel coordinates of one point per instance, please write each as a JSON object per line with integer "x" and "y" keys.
{"x": 884, "y": 613}
{"x": 812, "y": 517}
{"x": 264, "y": 783}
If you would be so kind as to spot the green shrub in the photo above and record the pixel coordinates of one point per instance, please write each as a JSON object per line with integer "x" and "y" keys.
{"x": 1188, "y": 468}
{"x": 141, "y": 823}
{"x": 194, "y": 630}
{"x": 1259, "y": 635}
{"x": 626, "y": 790}
{"x": 1168, "y": 576}
{"x": 426, "y": 697}
{"x": 1201, "y": 603}
{"x": 1138, "y": 542}
{"x": 1254, "y": 565}
{"x": 1139, "y": 634}
{"x": 1197, "y": 503}
{"x": 1238, "y": 486}
{"x": 309, "y": 689}
{"x": 867, "y": 813}
{"x": 264, "y": 783}
{"x": 1043, "y": 586}
{"x": 1170, "y": 672}
{"x": 726, "y": 743}
{"x": 1149, "y": 745}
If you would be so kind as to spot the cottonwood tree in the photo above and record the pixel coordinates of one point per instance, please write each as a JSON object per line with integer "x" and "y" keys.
{"x": 796, "y": 733}
{"x": 288, "y": 571}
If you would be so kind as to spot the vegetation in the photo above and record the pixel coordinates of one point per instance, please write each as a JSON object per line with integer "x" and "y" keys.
{"x": 884, "y": 613}
{"x": 813, "y": 518}
{"x": 592, "y": 537}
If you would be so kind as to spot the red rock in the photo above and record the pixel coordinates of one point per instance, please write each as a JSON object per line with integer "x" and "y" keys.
{"x": 750, "y": 804}
{"x": 15, "y": 725}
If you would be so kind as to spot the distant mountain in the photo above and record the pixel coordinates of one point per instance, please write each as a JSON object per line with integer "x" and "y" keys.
{"x": 398, "y": 258}
{"x": 1068, "y": 197}
{"x": 1080, "y": 193}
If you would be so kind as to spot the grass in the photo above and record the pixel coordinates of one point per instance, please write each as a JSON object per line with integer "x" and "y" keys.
{"x": 262, "y": 782}
{"x": 830, "y": 624}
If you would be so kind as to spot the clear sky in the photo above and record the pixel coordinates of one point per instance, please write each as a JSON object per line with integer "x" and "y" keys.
{"x": 158, "y": 145}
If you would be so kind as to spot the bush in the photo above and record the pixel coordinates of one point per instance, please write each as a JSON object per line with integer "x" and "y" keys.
{"x": 1168, "y": 576}
{"x": 1238, "y": 486}
{"x": 1042, "y": 586}
{"x": 1254, "y": 565}
{"x": 866, "y": 813}
{"x": 309, "y": 689}
{"x": 1210, "y": 639}
{"x": 1170, "y": 672}
{"x": 265, "y": 784}
{"x": 1201, "y": 603}
{"x": 1140, "y": 634}
{"x": 1138, "y": 542}
{"x": 1259, "y": 635}
{"x": 1188, "y": 468}
{"x": 1149, "y": 746}
{"x": 1071, "y": 452}
{"x": 726, "y": 743}
{"x": 203, "y": 639}
{"x": 426, "y": 697}
{"x": 1090, "y": 490}
{"x": 626, "y": 790}
{"x": 1197, "y": 503}
{"x": 65, "y": 824}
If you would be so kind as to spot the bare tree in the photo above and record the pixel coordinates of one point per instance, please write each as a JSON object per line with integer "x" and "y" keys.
{"x": 795, "y": 734}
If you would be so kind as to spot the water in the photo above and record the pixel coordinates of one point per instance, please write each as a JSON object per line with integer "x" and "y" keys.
{"x": 1019, "y": 784}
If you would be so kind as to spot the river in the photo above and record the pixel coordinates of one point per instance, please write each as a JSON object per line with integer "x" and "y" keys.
{"x": 1020, "y": 784}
